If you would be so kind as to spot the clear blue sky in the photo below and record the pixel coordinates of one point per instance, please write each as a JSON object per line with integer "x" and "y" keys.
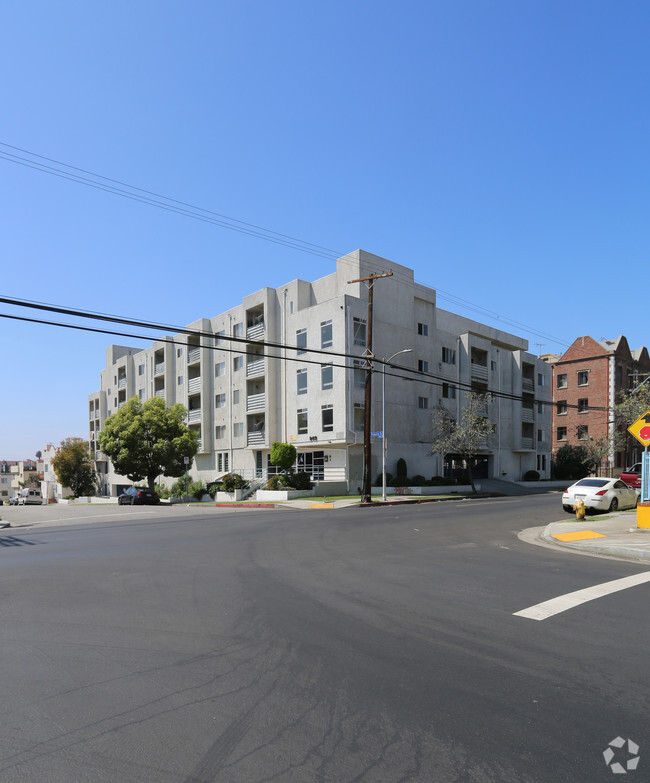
{"x": 498, "y": 148}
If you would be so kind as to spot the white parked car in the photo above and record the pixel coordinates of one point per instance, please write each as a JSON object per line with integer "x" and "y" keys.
{"x": 600, "y": 494}
{"x": 28, "y": 497}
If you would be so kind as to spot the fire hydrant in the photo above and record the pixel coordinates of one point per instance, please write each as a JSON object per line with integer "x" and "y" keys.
{"x": 580, "y": 509}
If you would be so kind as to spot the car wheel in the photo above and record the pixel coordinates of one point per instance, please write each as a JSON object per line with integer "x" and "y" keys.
{"x": 568, "y": 509}
{"x": 613, "y": 506}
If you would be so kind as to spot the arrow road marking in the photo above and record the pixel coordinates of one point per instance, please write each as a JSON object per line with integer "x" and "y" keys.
{"x": 571, "y": 600}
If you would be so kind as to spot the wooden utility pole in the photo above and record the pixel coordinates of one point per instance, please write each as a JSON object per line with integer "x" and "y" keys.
{"x": 366, "y": 491}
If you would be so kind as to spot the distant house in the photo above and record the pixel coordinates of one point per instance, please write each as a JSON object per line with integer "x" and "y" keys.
{"x": 588, "y": 379}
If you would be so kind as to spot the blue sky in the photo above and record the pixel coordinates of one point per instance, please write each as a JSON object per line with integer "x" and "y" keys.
{"x": 500, "y": 149}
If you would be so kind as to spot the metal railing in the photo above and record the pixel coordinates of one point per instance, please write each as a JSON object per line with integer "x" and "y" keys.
{"x": 479, "y": 372}
{"x": 255, "y": 332}
{"x": 193, "y": 355}
{"x": 194, "y": 415}
{"x": 159, "y": 368}
{"x": 194, "y": 384}
{"x": 256, "y": 402}
{"x": 255, "y": 438}
{"x": 255, "y": 367}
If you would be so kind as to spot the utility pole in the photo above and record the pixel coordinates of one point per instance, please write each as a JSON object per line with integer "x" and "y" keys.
{"x": 366, "y": 490}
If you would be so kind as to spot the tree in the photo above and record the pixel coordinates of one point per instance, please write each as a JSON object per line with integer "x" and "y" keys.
{"x": 73, "y": 467}
{"x": 574, "y": 462}
{"x": 632, "y": 405}
{"x": 283, "y": 455}
{"x": 467, "y": 437}
{"x": 145, "y": 440}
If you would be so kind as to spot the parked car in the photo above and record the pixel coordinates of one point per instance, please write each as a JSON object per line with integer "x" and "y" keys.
{"x": 29, "y": 497}
{"x": 600, "y": 494}
{"x": 13, "y": 500}
{"x": 632, "y": 476}
{"x": 137, "y": 496}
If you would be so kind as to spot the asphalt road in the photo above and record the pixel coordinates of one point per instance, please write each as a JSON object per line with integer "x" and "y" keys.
{"x": 377, "y": 646}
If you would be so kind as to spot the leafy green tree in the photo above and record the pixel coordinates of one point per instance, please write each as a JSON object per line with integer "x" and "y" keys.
{"x": 574, "y": 462}
{"x": 630, "y": 407}
{"x": 469, "y": 436}
{"x": 74, "y": 468}
{"x": 283, "y": 455}
{"x": 145, "y": 440}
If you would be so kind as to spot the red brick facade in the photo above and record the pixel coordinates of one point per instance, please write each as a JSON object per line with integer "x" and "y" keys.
{"x": 587, "y": 381}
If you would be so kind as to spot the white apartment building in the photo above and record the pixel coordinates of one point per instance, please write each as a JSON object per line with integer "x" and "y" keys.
{"x": 287, "y": 364}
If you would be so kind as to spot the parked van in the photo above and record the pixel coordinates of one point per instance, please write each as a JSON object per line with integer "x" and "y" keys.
{"x": 28, "y": 497}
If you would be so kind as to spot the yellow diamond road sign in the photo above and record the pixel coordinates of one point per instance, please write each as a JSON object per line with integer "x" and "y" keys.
{"x": 641, "y": 429}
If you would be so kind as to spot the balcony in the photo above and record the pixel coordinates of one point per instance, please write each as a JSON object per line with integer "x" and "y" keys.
{"x": 527, "y": 444}
{"x": 527, "y": 414}
{"x": 159, "y": 368}
{"x": 479, "y": 372}
{"x": 528, "y": 385}
{"x": 256, "y": 402}
{"x": 255, "y": 332}
{"x": 193, "y": 355}
{"x": 194, "y": 385}
{"x": 121, "y": 383}
{"x": 255, "y": 367}
{"x": 159, "y": 393}
{"x": 255, "y": 438}
{"x": 194, "y": 415}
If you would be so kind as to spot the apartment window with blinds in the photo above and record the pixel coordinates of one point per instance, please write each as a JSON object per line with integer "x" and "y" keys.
{"x": 301, "y": 341}
{"x": 448, "y": 355}
{"x": 359, "y": 331}
{"x": 302, "y": 421}
{"x": 326, "y": 334}
{"x": 301, "y": 382}
{"x": 327, "y": 417}
{"x": 326, "y": 376}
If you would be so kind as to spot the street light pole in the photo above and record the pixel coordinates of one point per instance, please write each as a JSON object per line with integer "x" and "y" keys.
{"x": 383, "y": 421}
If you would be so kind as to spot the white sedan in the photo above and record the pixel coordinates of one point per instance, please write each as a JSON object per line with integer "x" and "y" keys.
{"x": 600, "y": 494}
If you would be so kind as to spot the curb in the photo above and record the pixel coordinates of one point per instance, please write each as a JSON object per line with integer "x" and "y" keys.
{"x": 606, "y": 550}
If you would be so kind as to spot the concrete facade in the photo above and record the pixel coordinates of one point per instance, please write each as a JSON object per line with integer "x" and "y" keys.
{"x": 245, "y": 388}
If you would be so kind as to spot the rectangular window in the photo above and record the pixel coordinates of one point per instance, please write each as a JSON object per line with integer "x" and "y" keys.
{"x": 583, "y": 432}
{"x": 237, "y": 363}
{"x": 301, "y": 382}
{"x": 423, "y": 403}
{"x": 540, "y": 436}
{"x": 238, "y": 429}
{"x": 493, "y": 365}
{"x": 179, "y": 380}
{"x": 219, "y": 400}
{"x": 220, "y": 335}
{"x": 583, "y": 405}
{"x": 423, "y": 366}
{"x": 141, "y": 369}
{"x": 219, "y": 369}
{"x": 302, "y": 421}
{"x": 327, "y": 416}
{"x": 583, "y": 378}
{"x": 561, "y": 433}
{"x": 141, "y": 394}
{"x": 235, "y": 397}
{"x": 326, "y": 334}
{"x": 359, "y": 375}
{"x": 179, "y": 353}
{"x": 225, "y": 461}
{"x": 561, "y": 407}
{"x": 359, "y": 331}
{"x": 238, "y": 330}
{"x": 326, "y": 376}
{"x": 561, "y": 381}
{"x": 219, "y": 462}
{"x": 220, "y": 432}
{"x": 448, "y": 355}
{"x": 301, "y": 341}
{"x": 541, "y": 379}
{"x": 359, "y": 417}
{"x": 423, "y": 329}
{"x": 448, "y": 392}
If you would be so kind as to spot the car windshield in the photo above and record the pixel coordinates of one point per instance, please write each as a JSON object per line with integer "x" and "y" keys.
{"x": 592, "y": 483}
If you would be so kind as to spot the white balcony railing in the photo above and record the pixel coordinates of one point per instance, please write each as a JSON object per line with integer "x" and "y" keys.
{"x": 121, "y": 383}
{"x": 160, "y": 393}
{"x": 256, "y": 402}
{"x": 479, "y": 372}
{"x": 255, "y": 367}
{"x": 194, "y": 385}
{"x": 193, "y": 355}
{"x": 159, "y": 368}
{"x": 255, "y": 438}
{"x": 194, "y": 415}
{"x": 255, "y": 332}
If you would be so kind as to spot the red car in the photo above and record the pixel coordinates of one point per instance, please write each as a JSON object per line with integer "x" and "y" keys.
{"x": 632, "y": 476}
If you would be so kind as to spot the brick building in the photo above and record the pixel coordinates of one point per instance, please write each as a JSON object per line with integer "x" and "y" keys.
{"x": 587, "y": 382}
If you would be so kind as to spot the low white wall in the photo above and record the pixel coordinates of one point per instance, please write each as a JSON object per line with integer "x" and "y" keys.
{"x": 444, "y": 490}
{"x": 270, "y": 495}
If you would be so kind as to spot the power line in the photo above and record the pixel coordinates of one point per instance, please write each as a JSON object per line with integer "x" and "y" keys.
{"x": 151, "y": 198}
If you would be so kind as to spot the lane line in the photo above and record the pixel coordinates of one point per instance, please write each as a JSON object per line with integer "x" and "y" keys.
{"x": 570, "y": 600}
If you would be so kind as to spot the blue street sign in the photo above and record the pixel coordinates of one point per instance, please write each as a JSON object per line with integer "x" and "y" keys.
{"x": 377, "y": 434}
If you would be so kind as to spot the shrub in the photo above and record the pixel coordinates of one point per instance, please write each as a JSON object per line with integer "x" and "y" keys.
{"x": 162, "y": 492}
{"x": 400, "y": 481}
{"x": 300, "y": 480}
{"x": 379, "y": 482}
{"x": 441, "y": 481}
{"x": 232, "y": 481}
{"x": 197, "y": 490}
{"x": 418, "y": 481}
{"x": 212, "y": 488}
{"x": 401, "y": 469}
{"x": 531, "y": 475}
{"x": 274, "y": 483}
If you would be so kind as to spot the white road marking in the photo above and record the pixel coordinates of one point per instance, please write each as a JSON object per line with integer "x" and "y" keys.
{"x": 94, "y": 516}
{"x": 571, "y": 600}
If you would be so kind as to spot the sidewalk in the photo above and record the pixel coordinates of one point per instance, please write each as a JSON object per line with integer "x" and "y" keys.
{"x": 616, "y": 535}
